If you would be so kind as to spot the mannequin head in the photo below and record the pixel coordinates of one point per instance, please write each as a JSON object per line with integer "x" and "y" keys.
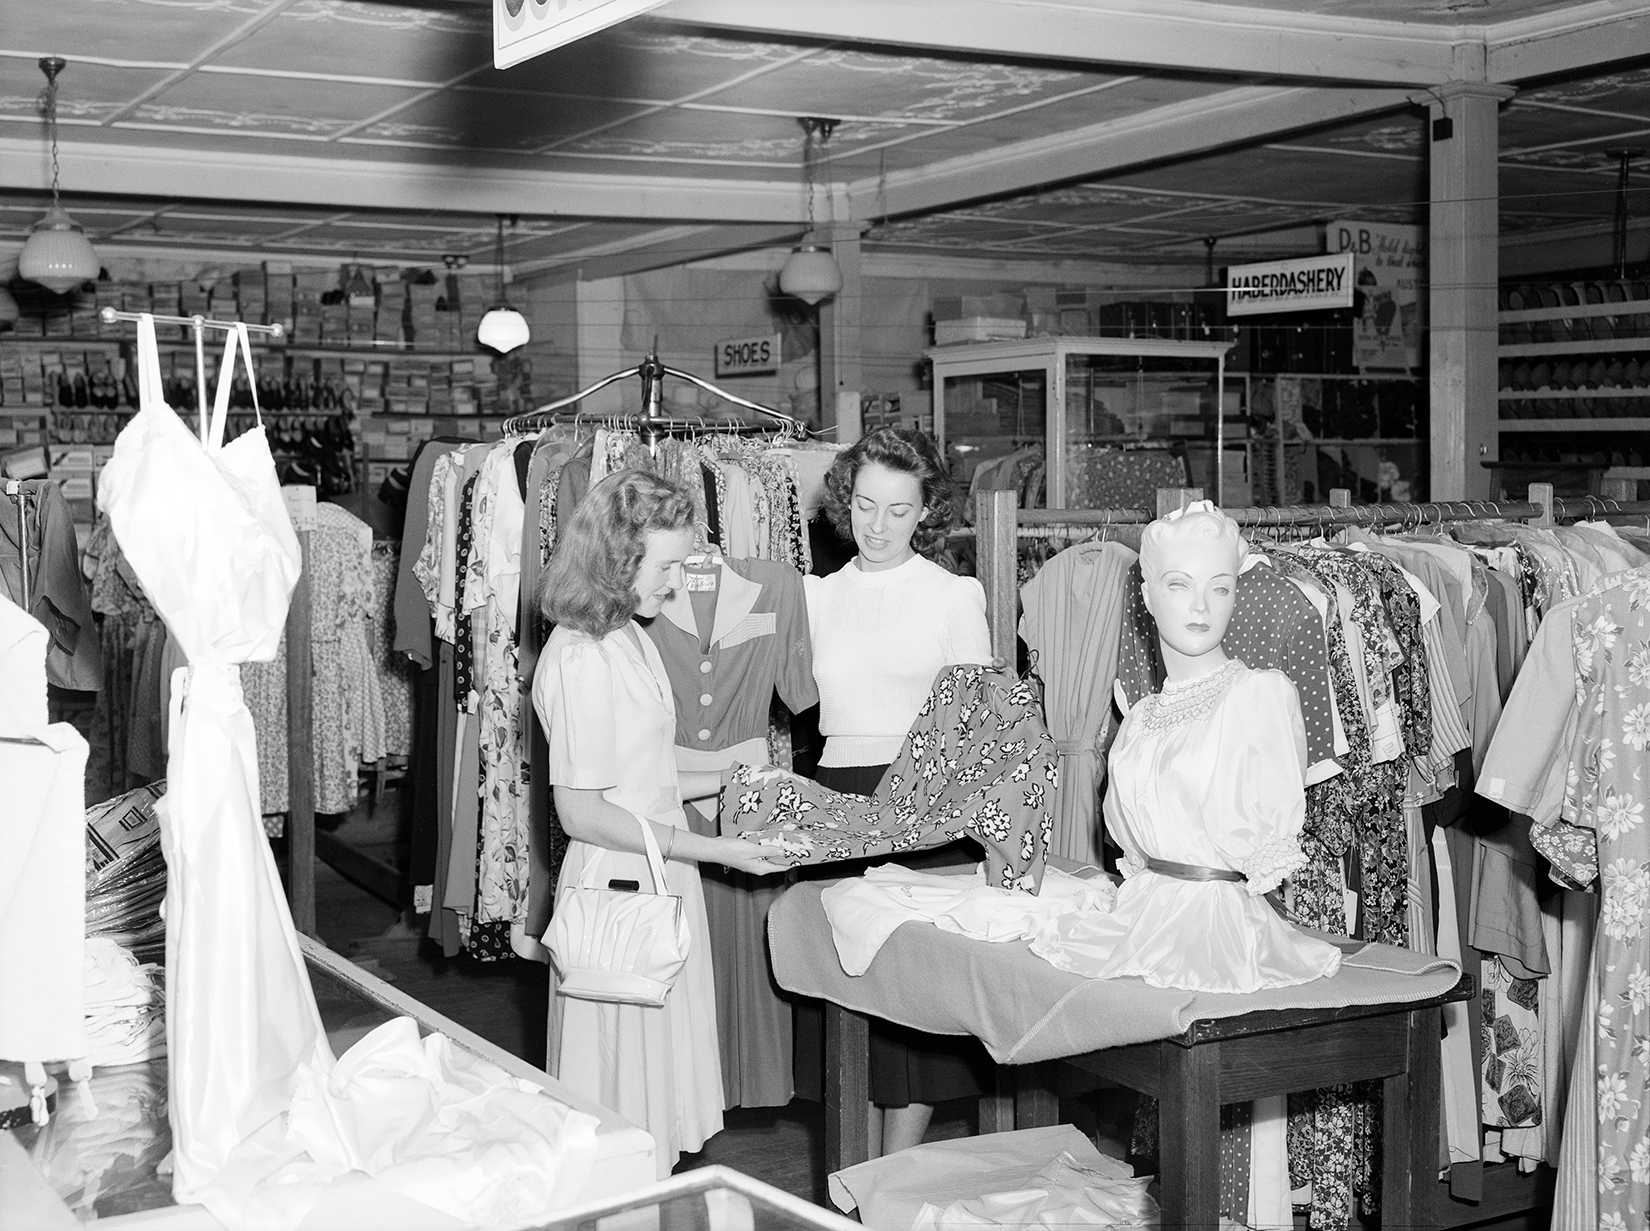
{"x": 1190, "y": 562}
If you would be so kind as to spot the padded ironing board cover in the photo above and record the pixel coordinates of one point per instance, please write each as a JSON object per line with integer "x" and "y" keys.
{"x": 205, "y": 529}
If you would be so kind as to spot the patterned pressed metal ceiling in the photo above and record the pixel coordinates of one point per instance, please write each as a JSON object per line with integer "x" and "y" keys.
{"x": 261, "y": 83}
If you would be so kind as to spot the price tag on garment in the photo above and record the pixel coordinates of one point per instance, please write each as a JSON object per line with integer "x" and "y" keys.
{"x": 698, "y": 582}
{"x": 300, "y": 507}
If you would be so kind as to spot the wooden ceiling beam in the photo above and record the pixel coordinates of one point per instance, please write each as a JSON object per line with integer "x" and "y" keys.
{"x": 655, "y": 250}
{"x": 368, "y": 183}
{"x": 1183, "y": 35}
{"x": 1575, "y": 38}
{"x": 1201, "y": 125}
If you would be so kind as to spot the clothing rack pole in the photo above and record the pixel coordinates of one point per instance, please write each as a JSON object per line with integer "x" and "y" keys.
{"x": 300, "y": 766}
{"x": 995, "y": 518}
{"x": 109, "y": 316}
{"x": 197, "y": 327}
{"x": 14, "y": 487}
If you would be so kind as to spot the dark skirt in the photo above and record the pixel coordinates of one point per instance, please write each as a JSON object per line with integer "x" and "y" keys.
{"x": 907, "y": 1066}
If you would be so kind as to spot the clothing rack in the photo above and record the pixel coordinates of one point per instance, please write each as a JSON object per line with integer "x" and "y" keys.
{"x": 652, "y": 423}
{"x": 198, "y": 325}
{"x": 999, "y": 525}
{"x": 299, "y": 685}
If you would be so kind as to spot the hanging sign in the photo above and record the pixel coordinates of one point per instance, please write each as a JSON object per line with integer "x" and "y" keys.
{"x": 747, "y": 356}
{"x": 523, "y": 29}
{"x": 1388, "y": 259}
{"x": 1312, "y": 284}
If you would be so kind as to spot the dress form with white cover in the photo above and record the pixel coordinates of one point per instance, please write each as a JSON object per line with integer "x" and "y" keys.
{"x": 42, "y": 866}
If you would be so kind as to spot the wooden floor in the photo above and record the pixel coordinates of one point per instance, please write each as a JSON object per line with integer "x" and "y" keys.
{"x": 506, "y": 1003}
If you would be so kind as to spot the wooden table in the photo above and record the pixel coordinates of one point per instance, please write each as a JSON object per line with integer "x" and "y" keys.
{"x": 1228, "y": 1060}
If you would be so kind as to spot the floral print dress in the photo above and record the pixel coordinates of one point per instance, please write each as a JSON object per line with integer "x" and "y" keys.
{"x": 1609, "y": 765}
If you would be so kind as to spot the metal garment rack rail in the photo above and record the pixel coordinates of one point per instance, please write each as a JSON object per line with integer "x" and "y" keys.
{"x": 999, "y": 525}
{"x": 653, "y": 422}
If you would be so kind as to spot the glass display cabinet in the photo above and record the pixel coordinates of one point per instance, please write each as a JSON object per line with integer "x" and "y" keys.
{"x": 1092, "y": 422}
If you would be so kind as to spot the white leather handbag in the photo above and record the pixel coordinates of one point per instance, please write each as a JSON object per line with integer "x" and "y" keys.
{"x": 620, "y": 945}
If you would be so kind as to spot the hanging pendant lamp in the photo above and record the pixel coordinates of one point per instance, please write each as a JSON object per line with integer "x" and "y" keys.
{"x": 57, "y": 253}
{"x": 503, "y": 328}
{"x": 811, "y": 272}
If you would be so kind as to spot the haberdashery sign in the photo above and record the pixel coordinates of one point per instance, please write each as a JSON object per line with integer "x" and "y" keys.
{"x": 523, "y": 29}
{"x": 1388, "y": 260}
{"x": 747, "y": 356}
{"x": 1311, "y": 284}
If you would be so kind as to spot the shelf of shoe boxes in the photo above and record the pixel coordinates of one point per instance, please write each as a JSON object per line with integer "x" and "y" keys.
{"x": 398, "y": 356}
{"x": 1575, "y": 357}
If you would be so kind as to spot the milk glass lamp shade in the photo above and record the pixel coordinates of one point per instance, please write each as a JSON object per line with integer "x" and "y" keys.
{"x": 57, "y": 253}
{"x": 811, "y": 274}
{"x": 503, "y": 329}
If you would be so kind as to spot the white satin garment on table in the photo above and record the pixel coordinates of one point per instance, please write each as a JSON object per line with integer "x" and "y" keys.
{"x": 204, "y": 527}
{"x": 1210, "y": 773}
{"x": 864, "y": 910}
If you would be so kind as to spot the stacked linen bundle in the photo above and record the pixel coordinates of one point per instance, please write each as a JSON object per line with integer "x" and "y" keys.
{"x": 125, "y": 1006}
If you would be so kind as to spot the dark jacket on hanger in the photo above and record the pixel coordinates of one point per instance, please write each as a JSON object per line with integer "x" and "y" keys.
{"x": 57, "y": 592}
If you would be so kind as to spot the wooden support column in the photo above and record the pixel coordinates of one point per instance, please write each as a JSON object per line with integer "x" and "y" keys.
{"x": 995, "y": 519}
{"x": 1463, "y": 265}
{"x": 841, "y": 365}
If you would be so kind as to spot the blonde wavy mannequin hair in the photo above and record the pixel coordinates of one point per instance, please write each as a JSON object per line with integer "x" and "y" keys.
{"x": 1201, "y": 519}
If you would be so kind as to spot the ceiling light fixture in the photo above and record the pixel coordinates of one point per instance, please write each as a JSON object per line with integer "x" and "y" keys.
{"x": 503, "y": 328}
{"x": 57, "y": 254}
{"x": 811, "y": 272}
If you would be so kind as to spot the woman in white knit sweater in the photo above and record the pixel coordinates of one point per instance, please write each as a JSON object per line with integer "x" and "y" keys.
{"x": 883, "y": 627}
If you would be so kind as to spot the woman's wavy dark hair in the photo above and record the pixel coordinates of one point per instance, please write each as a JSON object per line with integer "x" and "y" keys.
{"x": 907, "y": 451}
{"x": 590, "y": 581}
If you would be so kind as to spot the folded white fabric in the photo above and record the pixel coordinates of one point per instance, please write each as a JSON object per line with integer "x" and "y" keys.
{"x": 913, "y": 1188}
{"x": 865, "y": 910}
{"x": 1066, "y": 1193}
{"x": 115, "y": 978}
{"x": 424, "y": 1119}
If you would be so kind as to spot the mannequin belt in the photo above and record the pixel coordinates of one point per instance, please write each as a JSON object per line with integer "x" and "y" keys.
{"x": 1191, "y": 871}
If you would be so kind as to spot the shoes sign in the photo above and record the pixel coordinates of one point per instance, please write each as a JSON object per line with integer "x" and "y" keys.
{"x": 748, "y": 356}
{"x": 523, "y": 29}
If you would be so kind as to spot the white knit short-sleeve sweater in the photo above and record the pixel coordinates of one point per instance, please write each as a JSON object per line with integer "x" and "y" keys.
{"x": 879, "y": 639}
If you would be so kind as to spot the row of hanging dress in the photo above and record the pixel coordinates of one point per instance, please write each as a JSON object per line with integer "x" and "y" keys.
{"x": 1570, "y": 761}
{"x": 40, "y": 572}
{"x": 1401, "y": 649}
{"x": 484, "y": 519}
{"x": 355, "y": 688}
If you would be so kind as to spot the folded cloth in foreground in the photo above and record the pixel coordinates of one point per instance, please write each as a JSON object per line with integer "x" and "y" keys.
{"x": 1032, "y": 1177}
{"x": 865, "y": 910}
{"x": 977, "y": 763}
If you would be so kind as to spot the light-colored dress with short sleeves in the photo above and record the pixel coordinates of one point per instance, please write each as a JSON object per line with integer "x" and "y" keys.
{"x": 610, "y": 721}
{"x": 1208, "y": 773}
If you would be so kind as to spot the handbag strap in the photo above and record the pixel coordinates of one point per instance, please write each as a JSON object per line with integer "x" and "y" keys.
{"x": 655, "y": 861}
